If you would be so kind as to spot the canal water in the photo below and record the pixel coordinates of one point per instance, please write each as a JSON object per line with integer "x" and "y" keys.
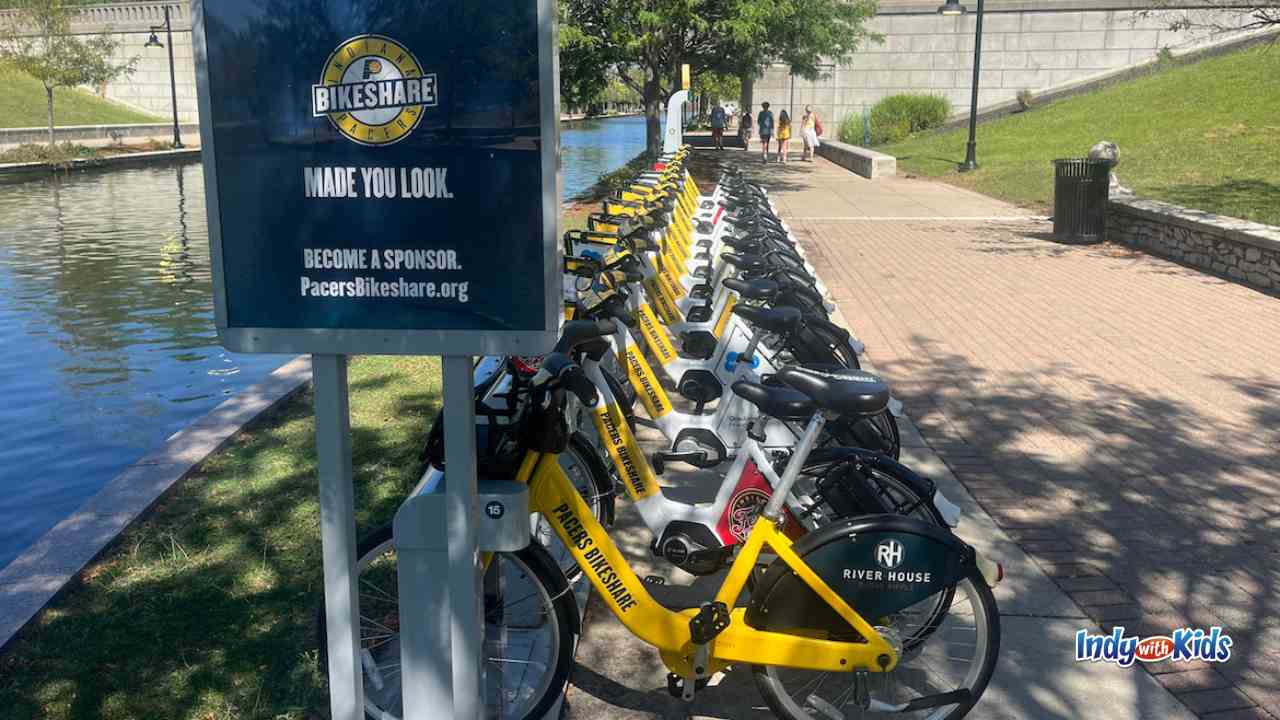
{"x": 589, "y": 148}
{"x": 106, "y": 323}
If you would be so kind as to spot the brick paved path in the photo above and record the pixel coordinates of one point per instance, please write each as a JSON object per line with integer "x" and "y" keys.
{"x": 1118, "y": 414}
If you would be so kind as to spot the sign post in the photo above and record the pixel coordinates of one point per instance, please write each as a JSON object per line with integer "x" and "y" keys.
{"x": 675, "y": 114}
{"x": 383, "y": 180}
{"x": 338, "y": 534}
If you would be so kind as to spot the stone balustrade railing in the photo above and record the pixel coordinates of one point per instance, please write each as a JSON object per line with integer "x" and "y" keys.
{"x": 125, "y": 17}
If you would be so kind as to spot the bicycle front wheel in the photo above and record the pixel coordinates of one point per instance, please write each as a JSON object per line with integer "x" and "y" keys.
{"x": 528, "y": 634}
{"x": 959, "y": 655}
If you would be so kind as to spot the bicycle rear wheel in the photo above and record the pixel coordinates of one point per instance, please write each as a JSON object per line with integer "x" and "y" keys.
{"x": 959, "y": 655}
{"x": 878, "y": 433}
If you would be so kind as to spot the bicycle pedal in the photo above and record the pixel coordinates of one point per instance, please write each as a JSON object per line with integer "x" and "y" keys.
{"x": 675, "y": 685}
{"x": 711, "y": 620}
{"x": 654, "y": 580}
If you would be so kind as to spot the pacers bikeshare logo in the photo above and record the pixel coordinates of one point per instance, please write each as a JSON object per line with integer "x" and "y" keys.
{"x": 373, "y": 90}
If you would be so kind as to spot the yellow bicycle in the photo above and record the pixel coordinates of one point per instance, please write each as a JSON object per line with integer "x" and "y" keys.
{"x": 822, "y": 615}
{"x": 820, "y": 630}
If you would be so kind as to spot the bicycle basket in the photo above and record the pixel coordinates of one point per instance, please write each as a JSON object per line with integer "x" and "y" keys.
{"x": 544, "y": 429}
{"x": 497, "y": 452}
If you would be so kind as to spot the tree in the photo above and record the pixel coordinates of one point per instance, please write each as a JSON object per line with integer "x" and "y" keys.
{"x": 1216, "y": 16}
{"x": 38, "y": 41}
{"x": 733, "y": 37}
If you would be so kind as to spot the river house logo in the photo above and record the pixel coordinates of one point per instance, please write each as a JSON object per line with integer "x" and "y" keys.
{"x": 890, "y": 554}
{"x": 373, "y": 90}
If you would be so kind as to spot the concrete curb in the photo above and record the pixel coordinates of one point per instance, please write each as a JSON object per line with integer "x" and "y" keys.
{"x": 862, "y": 161}
{"x": 25, "y": 171}
{"x": 39, "y": 575}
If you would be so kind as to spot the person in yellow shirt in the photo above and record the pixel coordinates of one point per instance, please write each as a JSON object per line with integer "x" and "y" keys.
{"x": 810, "y": 129}
{"x": 784, "y": 135}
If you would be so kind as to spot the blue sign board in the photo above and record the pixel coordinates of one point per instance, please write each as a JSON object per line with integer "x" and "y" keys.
{"x": 381, "y": 174}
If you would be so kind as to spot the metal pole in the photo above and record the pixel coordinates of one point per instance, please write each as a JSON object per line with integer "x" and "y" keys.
{"x": 791, "y": 104}
{"x": 173, "y": 81}
{"x": 971, "y": 150}
{"x": 460, "y": 500}
{"x": 338, "y": 536}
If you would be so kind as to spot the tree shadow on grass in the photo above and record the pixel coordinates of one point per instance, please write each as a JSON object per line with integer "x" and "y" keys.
{"x": 209, "y": 604}
{"x": 1231, "y": 197}
{"x": 951, "y": 163}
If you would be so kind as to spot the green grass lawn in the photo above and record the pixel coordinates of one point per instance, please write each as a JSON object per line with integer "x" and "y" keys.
{"x": 1205, "y": 135}
{"x": 22, "y": 104}
{"x": 207, "y": 609}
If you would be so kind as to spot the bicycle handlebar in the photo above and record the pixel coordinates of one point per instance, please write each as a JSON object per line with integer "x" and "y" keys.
{"x": 576, "y": 332}
{"x": 571, "y": 377}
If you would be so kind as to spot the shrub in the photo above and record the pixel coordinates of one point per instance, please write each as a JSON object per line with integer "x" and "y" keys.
{"x": 55, "y": 154}
{"x": 850, "y": 131}
{"x": 897, "y": 116}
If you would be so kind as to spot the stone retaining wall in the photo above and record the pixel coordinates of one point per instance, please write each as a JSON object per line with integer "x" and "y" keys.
{"x": 1239, "y": 250}
{"x": 99, "y": 135}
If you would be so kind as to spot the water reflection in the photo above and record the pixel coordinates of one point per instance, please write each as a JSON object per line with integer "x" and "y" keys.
{"x": 591, "y": 148}
{"x": 106, "y": 320}
{"x": 106, "y": 316}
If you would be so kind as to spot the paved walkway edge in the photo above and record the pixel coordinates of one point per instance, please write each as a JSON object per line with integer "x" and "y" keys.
{"x": 39, "y": 575}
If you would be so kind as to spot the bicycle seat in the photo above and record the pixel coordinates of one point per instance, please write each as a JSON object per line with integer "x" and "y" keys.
{"x": 578, "y": 332}
{"x": 779, "y": 402}
{"x": 748, "y": 242}
{"x": 781, "y": 320}
{"x": 842, "y": 390}
{"x": 745, "y": 262}
{"x": 752, "y": 289}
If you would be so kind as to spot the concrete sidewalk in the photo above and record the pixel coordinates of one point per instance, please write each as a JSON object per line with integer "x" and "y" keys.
{"x": 1036, "y": 677}
{"x": 619, "y": 677}
{"x": 1114, "y": 412}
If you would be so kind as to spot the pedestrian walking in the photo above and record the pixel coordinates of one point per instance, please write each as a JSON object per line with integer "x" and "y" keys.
{"x": 784, "y": 135}
{"x": 764, "y": 125}
{"x": 745, "y": 130}
{"x": 810, "y": 131}
{"x": 718, "y": 122}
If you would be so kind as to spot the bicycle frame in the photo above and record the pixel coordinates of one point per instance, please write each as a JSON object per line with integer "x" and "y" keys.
{"x": 732, "y": 414}
{"x": 641, "y": 483}
{"x": 552, "y": 495}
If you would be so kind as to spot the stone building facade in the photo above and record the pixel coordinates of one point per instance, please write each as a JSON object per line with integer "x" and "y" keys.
{"x": 1041, "y": 46}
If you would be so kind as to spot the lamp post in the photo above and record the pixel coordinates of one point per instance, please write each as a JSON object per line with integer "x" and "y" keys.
{"x": 953, "y": 7}
{"x": 154, "y": 41}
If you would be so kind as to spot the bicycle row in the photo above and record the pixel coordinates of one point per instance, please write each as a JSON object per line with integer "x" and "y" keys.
{"x": 846, "y": 591}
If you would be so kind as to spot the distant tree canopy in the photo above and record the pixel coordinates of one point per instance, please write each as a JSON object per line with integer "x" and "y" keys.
{"x": 1217, "y": 15}
{"x": 646, "y": 42}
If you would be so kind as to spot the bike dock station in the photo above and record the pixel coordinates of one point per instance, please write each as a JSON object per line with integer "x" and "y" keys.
{"x": 362, "y": 173}
{"x": 360, "y": 183}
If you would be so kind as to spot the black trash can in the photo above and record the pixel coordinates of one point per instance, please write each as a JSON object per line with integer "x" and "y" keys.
{"x": 1080, "y": 190}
